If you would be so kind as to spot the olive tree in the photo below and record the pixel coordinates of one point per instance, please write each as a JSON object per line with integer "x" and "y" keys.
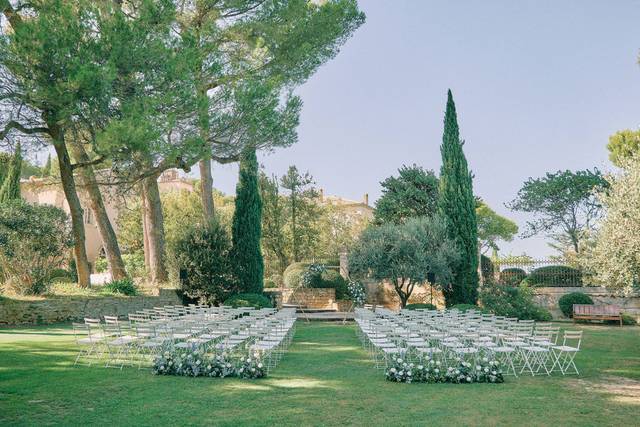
{"x": 405, "y": 254}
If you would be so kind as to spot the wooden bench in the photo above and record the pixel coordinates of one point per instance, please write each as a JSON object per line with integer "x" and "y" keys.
{"x": 597, "y": 312}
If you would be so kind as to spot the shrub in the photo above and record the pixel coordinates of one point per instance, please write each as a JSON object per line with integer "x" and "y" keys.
{"x": 292, "y": 276}
{"x": 512, "y": 301}
{"x": 512, "y": 276}
{"x": 124, "y": 287}
{"x": 566, "y": 302}
{"x": 60, "y": 275}
{"x": 34, "y": 240}
{"x": 467, "y": 307}
{"x": 203, "y": 252}
{"x": 270, "y": 284}
{"x": 628, "y": 320}
{"x": 555, "y": 276}
{"x": 420, "y": 307}
{"x": 133, "y": 263}
{"x": 487, "y": 269}
{"x": 333, "y": 279}
{"x": 249, "y": 300}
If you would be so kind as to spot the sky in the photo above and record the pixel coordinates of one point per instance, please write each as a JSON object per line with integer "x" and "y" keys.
{"x": 539, "y": 86}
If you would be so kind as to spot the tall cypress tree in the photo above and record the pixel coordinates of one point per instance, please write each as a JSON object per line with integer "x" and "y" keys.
{"x": 10, "y": 188}
{"x": 246, "y": 229}
{"x": 456, "y": 204}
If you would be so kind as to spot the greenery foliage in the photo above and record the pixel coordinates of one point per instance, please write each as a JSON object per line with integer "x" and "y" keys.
{"x": 293, "y": 275}
{"x": 10, "y": 187}
{"x": 420, "y": 306}
{"x": 615, "y": 257}
{"x": 247, "y": 263}
{"x": 34, "y": 240}
{"x": 333, "y": 279}
{"x": 493, "y": 228}
{"x": 133, "y": 263}
{"x": 512, "y": 301}
{"x": 412, "y": 194}
{"x": 123, "y": 287}
{"x": 404, "y": 254}
{"x": 456, "y": 204}
{"x": 512, "y": 276}
{"x": 564, "y": 205}
{"x": 203, "y": 252}
{"x": 248, "y": 300}
{"x": 567, "y": 301}
{"x": 623, "y": 146}
{"x": 467, "y": 307}
{"x": 555, "y": 275}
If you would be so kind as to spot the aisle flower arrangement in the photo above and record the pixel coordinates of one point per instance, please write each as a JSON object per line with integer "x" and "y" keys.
{"x": 197, "y": 363}
{"x": 433, "y": 371}
{"x": 357, "y": 293}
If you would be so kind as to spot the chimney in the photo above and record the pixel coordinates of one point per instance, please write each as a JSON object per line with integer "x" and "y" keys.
{"x": 366, "y": 199}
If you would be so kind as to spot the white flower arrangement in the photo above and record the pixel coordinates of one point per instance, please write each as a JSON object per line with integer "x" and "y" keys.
{"x": 357, "y": 293}
{"x": 195, "y": 363}
{"x": 431, "y": 371}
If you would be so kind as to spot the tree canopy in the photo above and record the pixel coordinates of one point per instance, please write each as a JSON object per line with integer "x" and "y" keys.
{"x": 623, "y": 145}
{"x": 493, "y": 228}
{"x": 405, "y": 254}
{"x": 413, "y": 193}
{"x": 564, "y": 205}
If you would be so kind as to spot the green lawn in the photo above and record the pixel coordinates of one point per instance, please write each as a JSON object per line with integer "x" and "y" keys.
{"x": 325, "y": 379}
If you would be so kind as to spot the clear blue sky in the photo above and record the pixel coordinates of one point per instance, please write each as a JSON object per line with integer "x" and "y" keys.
{"x": 539, "y": 86}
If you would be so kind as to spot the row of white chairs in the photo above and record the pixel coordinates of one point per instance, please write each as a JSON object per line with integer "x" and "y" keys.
{"x": 451, "y": 336}
{"x": 265, "y": 333}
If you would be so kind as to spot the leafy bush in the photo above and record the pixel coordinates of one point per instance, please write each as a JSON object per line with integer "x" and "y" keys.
{"x": 133, "y": 263}
{"x": 628, "y": 320}
{"x": 270, "y": 284}
{"x": 467, "y": 307}
{"x": 34, "y": 240}
{"x": 203, "y": 252}
{"x": 60, "y": 275}
{"x": 512, "y": 276}
{"x": 124, "y": 287}
{"x": 249, "y": 300}
{"x": 512, "y": 301}
{"x": 555, "y": 276}
{"x": 333, "y": 279}
{"x": 292, "y": 276}
{"x": 420, "y": 307}
{"x": 566, "y": 302}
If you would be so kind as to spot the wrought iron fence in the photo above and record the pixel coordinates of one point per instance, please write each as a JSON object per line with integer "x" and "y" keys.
{"x": 534, "y": 272}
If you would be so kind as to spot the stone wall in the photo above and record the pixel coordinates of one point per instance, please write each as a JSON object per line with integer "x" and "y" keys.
{"x": 385, "y": 294}
{"x": 314, "y": 298}
{"x": 548, "y": 298}
{"x": 64, "y": 309}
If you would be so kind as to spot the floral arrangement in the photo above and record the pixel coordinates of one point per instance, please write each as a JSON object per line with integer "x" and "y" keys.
{"x": 196, "y": 363}
{"x": 314, "y": 270}
{"x": 251, "y": 367}
{"x": 357, "y": 293}
{"x": 489, "y": 371}
{"x": 433, "y": 371}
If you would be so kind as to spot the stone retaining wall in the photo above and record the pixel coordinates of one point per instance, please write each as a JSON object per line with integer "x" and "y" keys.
{"x": 64, "y": 309}
{"x": 548, "y": 298}
{"x": 314, "y": 298}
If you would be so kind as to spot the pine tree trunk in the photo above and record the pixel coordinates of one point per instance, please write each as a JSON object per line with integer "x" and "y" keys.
{"x": 154, "y": 226}
{"x": 206, "y": 189}
{"x": 75, "y": 208}
{"x": 96, "y": 203}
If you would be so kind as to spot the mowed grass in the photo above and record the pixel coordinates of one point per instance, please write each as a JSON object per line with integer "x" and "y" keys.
{"x": 325, "y": 379}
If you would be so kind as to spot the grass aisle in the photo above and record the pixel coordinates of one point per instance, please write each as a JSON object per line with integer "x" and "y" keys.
{"x": 325, "y": 379}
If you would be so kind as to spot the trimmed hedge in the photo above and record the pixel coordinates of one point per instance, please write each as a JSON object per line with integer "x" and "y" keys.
{"x": 555, "y": 276}
{"x": 512, "y": 301}
{"x": 292, "y": 276}
{"x": 248, "y": 300}
{"x": 333, "y": 279}
{"x": 426, "y": 306}
{"x": 566, "y": 302}
{"x": 512, "y": 276}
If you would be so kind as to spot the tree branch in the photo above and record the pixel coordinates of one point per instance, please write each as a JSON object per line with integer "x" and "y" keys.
{"x": 19, "y": 127}
{"x": 95, "y": 161}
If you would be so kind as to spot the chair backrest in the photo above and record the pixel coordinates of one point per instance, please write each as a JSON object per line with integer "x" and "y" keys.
{"x": 111, "y": 320}
{"x": 572, "y": 339}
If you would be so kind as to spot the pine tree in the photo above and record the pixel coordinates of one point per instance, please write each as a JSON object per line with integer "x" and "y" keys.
{"x": 246, "y": 228}
{"x": 456, "y": 204}
{"x": 10, "y": 188}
